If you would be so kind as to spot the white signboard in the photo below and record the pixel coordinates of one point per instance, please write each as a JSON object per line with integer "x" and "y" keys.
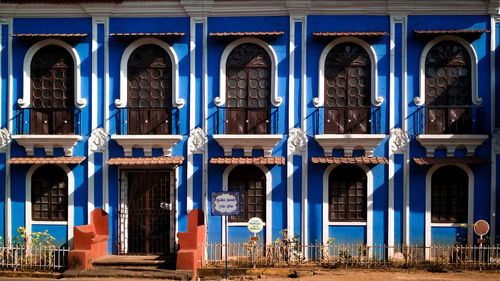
{"x": 255, "y": 225}
{"x": 225, "y": 203}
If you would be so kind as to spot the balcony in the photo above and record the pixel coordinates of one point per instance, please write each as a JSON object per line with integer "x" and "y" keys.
{"x": 348, "y": 128}
{"x": 47, "y": 128}
{"x": 450, "y": 128}
{"x": 247, "y": 128}
{"x": 147, "y": 128}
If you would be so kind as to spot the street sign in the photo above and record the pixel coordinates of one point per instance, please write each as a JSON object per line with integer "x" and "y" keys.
{"x": 481, "y": 227}
{"x": 226, "y": 203}
{"x": 255, "y": 225}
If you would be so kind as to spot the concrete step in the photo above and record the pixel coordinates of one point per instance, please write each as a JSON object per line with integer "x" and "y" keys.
{"x": 129, "y": 272}
{"x": 165, "y": 262}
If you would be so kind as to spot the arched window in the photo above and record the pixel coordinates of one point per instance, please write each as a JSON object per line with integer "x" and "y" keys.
{"x": 347, "y": 90}
{"x": 49, "y": 194}
{"x": 347, "y": 186}
{"x": 248, "y": 87}
{"x": 449, "y": 197}
{"x": 250, "y": 181}
{"x": 448, "y": 89}
{"x": 52, "y": 91}
{"x": 149, "y": 91}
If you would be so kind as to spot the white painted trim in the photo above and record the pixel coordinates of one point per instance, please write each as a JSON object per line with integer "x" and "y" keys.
{"x": 105, "y": 154}
{"x": 205, "y": 122}
{"x": 9, "y": 86}
{"x": 493, "y": 192}
{"x": 26, "y": 100}
{"x": 406, "y": 199}
{"x": 369, "y": 206}
{"x": 275, "y": 99}
{"x": 269, "y": 202}
{"x": 375, "y": 99}
{"x": 190, "y": 180}
{"x": 291, "y": 112}
{"x": 91, "y": 184}
{"x": 305, "y": 156}
{"x": 428, "y": 206}
{"x": 28, "y": 221}
{"x": 435, "y": 224}
{"x": 176, "y": 100}
{"x": 420, "y": 100}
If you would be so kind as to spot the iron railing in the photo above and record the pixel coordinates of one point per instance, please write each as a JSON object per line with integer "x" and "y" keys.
{"x": 34, "y": 257}
{"x": 373, "y": 120}
{"x": 473, "y": 114}
{"x": 51, "y": 121}
{"x": 150, "y": 119}
{"x": 272, "y": 122}
{"x": 349, "y": 255}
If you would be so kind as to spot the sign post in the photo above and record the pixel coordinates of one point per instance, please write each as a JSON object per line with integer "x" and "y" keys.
{"x": 255, "y": 225}
{"x": 226, "y": 204}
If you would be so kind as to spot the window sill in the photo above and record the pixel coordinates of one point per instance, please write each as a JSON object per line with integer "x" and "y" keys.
{"x": 449, "y": 224}
{"x": 48, "y": 143}
{"x": 450, "y": 142}
{"x": 248, "y": 143}
{"x": 349, "y": 142}
{"x": 147, "y": 143}
{"x": 347, "y": 223}
{"x": 49, "y": 222}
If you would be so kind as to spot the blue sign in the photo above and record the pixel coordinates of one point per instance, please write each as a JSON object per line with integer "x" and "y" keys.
{"x": 227, "y": 203}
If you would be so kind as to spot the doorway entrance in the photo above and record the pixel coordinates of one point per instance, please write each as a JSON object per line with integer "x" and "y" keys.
{"x": 147, "y": 212}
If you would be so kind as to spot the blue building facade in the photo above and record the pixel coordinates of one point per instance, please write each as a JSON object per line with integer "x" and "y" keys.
{"x": 372, "y": 125}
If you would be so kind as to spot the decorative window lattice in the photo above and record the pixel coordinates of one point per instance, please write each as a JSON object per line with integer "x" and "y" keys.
{"x": 49, "y": 194}
{"x": 250, "y": 181}
{"x": 347, "y": 194}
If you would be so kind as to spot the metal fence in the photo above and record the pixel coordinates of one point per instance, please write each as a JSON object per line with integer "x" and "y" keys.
{"x": 350, "y": 255}
{"x": 36, "y": 258}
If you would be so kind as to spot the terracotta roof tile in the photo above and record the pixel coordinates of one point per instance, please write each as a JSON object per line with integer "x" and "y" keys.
{"x": 40, "y": 35}
{"x": 451, "y": 31}
{"x": 157, "y": 34}
{"x": 248, "y": 160}
{"x": 349, "y": 160}
{"x": 256, "y": 33}
{"x": 46, "y": 160}
{"x": 450, "y": 160}
{"x": 354, "y": 33}
{"x": 151, "y": 160}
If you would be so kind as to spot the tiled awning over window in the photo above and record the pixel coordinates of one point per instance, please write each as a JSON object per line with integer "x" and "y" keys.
{"x": 153, "y": 160}
{"x": 349, "y": 160}
{"x": 450, "y": 160}
{"x": 248, "y": 160}
{"x": 46, "y": 160}
{"x": 247, "y": 33}
{"x": 39, "y": 36}
{"x": 347, "y": 33}
{"x": 148, "y": 34}
{"x": 465, "y": 33}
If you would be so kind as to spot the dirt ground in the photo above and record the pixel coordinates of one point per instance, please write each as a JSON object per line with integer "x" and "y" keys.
{"x": 375, "y": 275}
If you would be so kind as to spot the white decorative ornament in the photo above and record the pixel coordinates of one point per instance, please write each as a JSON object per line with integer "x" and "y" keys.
{"x": 197, "y": 140}
{"x": 297, "y": 140}
{"x": 4, "y": 139}
{"x": 97, "y": 140}
{"x": 496, "y": 141}
{"x": 398, "y": 140}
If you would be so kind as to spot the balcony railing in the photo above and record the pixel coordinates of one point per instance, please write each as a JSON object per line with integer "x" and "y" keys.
{"x": 147, "y": 121}
{"x": 463, "y": 119}
{"x": 250, "y": 120}
{"x": 47, "y": 121}
{"x": 347, "y": 120}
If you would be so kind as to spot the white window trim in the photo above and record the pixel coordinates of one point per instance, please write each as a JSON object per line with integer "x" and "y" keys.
{"x": 420, "y": 100}
{"x": 275, "y": 99}
{"x": 375, "y": 98}
{"x": 269, "y": 183}
{"x": 26, "y": 100}
{"x": 71, "y": 200}
{"x": 176, "y": 100}
{"x": 369, "y": 206}
{"x": 428, "y": 206}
